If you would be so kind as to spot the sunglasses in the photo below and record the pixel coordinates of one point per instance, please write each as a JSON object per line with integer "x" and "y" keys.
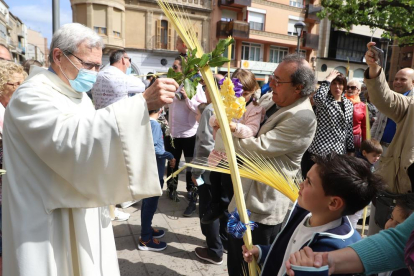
{"x": 351, "y": 87}
{"x": 175, "y": 67}
{"x": 128, "y": 58}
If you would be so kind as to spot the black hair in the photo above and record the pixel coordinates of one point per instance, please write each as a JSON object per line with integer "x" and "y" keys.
{"x": 349, "y": 178}
{"x": 116, "y": 56}
{"x": 150, "y": 75}
{"x": 153, "y": 111}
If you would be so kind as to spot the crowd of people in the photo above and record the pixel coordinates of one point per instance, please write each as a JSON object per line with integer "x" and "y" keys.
{"x": 70, "y": 159}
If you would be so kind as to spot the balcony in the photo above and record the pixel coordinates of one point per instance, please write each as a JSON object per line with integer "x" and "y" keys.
{"x": 311, "y": 13}
{"x": 236, "y": 3}
{"x": 311, "y": 40}
{"x": 237, "y": 29}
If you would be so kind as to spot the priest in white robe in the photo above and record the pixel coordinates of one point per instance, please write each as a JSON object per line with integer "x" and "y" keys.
{"x": 66, "y": 161}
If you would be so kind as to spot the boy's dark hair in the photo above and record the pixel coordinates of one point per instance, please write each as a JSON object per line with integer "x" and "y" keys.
{"x": 201, "y": 107}
{"x": 153, "y": 111}
{"x": 371, "y": 146}
{"x": 406, "y": 205}
{"x": 350, "y": 178}
{"x": 150, "y": 75}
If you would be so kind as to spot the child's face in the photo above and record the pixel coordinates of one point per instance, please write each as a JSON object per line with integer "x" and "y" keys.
{"x": 372, "y": 157}
{"x": 397, "y": 217}
{"x": 311, "y": 194}
{"x": 198, "y": 115}
{"x": 247, "y": 95}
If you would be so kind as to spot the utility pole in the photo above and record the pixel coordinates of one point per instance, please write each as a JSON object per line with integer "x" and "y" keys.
{"x": 56, "y": 15}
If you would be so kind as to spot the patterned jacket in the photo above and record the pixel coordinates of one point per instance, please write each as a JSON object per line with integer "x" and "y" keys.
{"x": 334, "y": 129}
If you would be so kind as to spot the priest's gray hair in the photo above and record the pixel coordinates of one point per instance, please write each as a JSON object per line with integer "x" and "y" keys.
{"x": 70, "y": 36}
{"x": 304, "y": 75}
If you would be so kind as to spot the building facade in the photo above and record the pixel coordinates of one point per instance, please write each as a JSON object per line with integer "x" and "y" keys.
{"x": 141, "y": 28}
{"x": 264, "y": 31}
{"x": 343, "y": 51}
{"x": 37, "y": 47}
{"x": 13, "y": 33}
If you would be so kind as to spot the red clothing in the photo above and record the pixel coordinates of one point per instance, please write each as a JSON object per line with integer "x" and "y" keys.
{"x": 359, "y": 120}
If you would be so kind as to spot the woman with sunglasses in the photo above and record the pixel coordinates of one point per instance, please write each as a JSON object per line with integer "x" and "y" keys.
{"x": 11, "y": 76}
{"x": 360, "y": 112}
{"x": 334, "y": 116}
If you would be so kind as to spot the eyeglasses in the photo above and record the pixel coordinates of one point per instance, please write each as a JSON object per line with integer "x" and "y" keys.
{"x": 16, "y": 84}
{"x": 277, "y": 82}
{"x": 88, "y": 65}
{"x": 351, "y": 87}
{"x": 175, "y": 67}
{"x": 128, "y": 58}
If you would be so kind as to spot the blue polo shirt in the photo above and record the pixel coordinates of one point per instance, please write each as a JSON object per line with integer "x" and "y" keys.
{"x": 390, "y": 128}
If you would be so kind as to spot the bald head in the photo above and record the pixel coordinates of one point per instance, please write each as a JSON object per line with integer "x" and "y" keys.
{"x": 404, "y": 80}
{"x": 4, "y": 53}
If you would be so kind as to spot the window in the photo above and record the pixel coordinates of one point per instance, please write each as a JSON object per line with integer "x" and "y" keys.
{"x": 226, "y": 54}
{"x": 291, "y": 25}
{"x": 256, "y": 21}
{"x": 3, "y": 31}
{"x": 100, "y": 30}
{"x": 251, "y": 51}
{"x": 277, "y": 54}
{"x": 164, "y": 34}
{"x": 296, "y": 3}
{"x": 117, "y": 34}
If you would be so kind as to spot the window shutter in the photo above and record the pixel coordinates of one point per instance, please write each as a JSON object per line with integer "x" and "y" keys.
{"x": 170, "y": 36}
{"x": 158, "y": 34}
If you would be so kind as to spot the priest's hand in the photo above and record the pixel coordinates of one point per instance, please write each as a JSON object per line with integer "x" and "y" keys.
{"x": 162, "y": 92}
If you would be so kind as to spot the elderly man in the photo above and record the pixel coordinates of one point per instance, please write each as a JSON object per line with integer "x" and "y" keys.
{"x": 284, "y": 137}
{"x": 65, "y": 161}
{"x": 396, "y": 164}
{"x": 5, "y": 53}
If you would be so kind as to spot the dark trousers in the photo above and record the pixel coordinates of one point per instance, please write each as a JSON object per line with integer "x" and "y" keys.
{"x": 263, "y": 235}
{"x": 149, "y": 205}
{"x": 306, "y": 163}
{"x": 221, "y": 190}
{"x": 181, "y": 145}
{"x": 215, "y": 233}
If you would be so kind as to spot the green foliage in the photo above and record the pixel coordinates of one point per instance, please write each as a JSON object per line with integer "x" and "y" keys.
{"x": 396, "y": 17}
{"x": 191, "y": 65}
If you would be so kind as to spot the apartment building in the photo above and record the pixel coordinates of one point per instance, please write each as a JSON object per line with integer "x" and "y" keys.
{"x": 13, "y": 33}
{"x": 264, "y": 31}
{"x": 141, "y": 28}
{"x": 37, "y": 47}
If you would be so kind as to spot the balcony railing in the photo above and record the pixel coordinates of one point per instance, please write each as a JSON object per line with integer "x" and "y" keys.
{"x": 311, "y": 40}
{"x": 237, "y": 29}
{"x": 311, "y": 13}
{"x": 244, "y": 3}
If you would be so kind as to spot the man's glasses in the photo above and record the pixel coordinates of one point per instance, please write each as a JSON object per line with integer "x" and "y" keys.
{"x": 16, "y": 84}
{"x": 88, "y": 65}
{"x": 175, "y": 67}
{"x": 128, "y": 58}
{"x": 276, "y": 81}
{"x": 351, "y": 87}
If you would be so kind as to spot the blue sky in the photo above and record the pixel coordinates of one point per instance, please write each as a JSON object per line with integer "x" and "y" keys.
{"x": 37, "y": 14}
